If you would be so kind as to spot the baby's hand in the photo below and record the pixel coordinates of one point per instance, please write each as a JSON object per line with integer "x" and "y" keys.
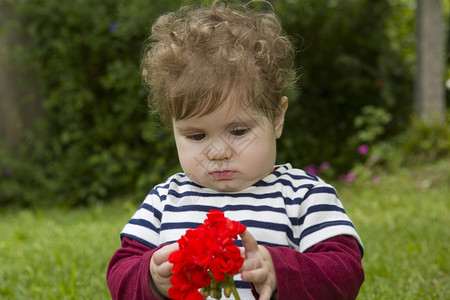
{"x": 161, "y": 268}
{"x": 258, "y": 267}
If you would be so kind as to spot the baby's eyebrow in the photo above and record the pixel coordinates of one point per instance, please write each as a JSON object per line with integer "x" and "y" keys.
{"x": 186, "y": 129}
{"x": 243, "y": 121}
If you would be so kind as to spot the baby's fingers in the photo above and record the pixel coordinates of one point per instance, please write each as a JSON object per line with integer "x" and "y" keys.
{"x": 265, "y": 293}
{"x": 165, "y": 270}
{"x": 254, "y": 275}
{"x": 258, "y": 277}
{"x": 159, "y": 264}
{"x": 249, "y": 242}
{"x": 162, "y": 255}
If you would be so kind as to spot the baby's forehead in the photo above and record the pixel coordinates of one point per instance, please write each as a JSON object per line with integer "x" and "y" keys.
{"x": 237, "y": 104}
{"x": 241, "y": 109}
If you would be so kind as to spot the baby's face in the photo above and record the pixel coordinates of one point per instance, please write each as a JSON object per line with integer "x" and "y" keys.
{"x": 229, "y": 149}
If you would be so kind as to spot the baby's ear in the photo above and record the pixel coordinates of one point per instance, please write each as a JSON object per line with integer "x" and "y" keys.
{"x": 279, "y": 119}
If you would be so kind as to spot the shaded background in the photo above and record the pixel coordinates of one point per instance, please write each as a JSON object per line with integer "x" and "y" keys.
{"x": 81, "y": 132}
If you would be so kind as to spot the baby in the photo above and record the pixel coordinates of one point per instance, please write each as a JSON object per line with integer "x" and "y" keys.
{"x": 217, "y": 76}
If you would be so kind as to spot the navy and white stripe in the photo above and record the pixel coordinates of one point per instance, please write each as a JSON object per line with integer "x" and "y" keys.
{"x": 288, "y": 208}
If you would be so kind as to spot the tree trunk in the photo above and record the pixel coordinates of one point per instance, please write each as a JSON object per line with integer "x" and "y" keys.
{"x": 19, "y": 106}
{"x": 429, "y": 83}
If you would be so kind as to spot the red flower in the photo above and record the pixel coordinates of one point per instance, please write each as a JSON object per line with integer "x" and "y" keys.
{"x": 207, "y": 254}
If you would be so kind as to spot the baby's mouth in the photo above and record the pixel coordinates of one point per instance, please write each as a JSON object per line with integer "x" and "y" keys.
{"x": 223, "y": 174}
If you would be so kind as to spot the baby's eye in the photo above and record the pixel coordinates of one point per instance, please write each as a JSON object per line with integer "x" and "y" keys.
{"x": 196, "y": 137}
{"x": 239, "y": 131}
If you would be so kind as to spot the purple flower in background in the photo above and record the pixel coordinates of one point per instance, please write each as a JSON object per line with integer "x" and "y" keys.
{"x": 312, "y": 169}
{"x": 363, "y": 149}
{"x": 347, "y": 178}
{"x": 112, "y": 27}
{"x": 324, "y": 166}
{"x": 376, "y": 178}
{"x": 350, "y": 177}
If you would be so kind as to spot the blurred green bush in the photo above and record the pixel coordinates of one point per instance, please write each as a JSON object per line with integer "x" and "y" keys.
{"x": 96, "y": 140}
{"x": 357, "y": 80}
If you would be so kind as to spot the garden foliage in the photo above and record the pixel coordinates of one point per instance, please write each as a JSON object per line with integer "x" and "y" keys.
{"x": 355, "y": 87}
{"x": 97, "y": 141}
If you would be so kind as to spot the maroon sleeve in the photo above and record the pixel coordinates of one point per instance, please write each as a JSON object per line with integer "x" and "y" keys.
{"x": 329, "y": 270}
{"x": 128, "y": 275}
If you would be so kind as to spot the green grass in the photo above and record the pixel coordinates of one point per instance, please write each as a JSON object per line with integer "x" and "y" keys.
{"x": 403, "y": 221}
{"x": 59, "y": 253}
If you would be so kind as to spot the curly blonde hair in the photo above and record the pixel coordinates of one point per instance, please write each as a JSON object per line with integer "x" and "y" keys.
{"x": 196, "y": 58}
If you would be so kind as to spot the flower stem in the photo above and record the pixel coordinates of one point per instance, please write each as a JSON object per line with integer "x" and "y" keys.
{"x": 235, "y": 293}
{"x": 233, "y": 287}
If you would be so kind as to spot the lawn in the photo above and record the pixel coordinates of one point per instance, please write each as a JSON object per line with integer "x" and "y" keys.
{"x": 403, "y": 220}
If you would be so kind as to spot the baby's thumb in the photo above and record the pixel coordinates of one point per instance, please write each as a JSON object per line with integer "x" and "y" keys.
{"x": 248, "y": 241}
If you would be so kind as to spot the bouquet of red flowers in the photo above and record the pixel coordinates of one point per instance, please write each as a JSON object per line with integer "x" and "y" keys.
{"x": 207, "y": 259}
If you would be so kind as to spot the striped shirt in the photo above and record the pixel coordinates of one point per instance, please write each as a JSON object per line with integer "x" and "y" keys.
{"x": 288, "y": 208}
